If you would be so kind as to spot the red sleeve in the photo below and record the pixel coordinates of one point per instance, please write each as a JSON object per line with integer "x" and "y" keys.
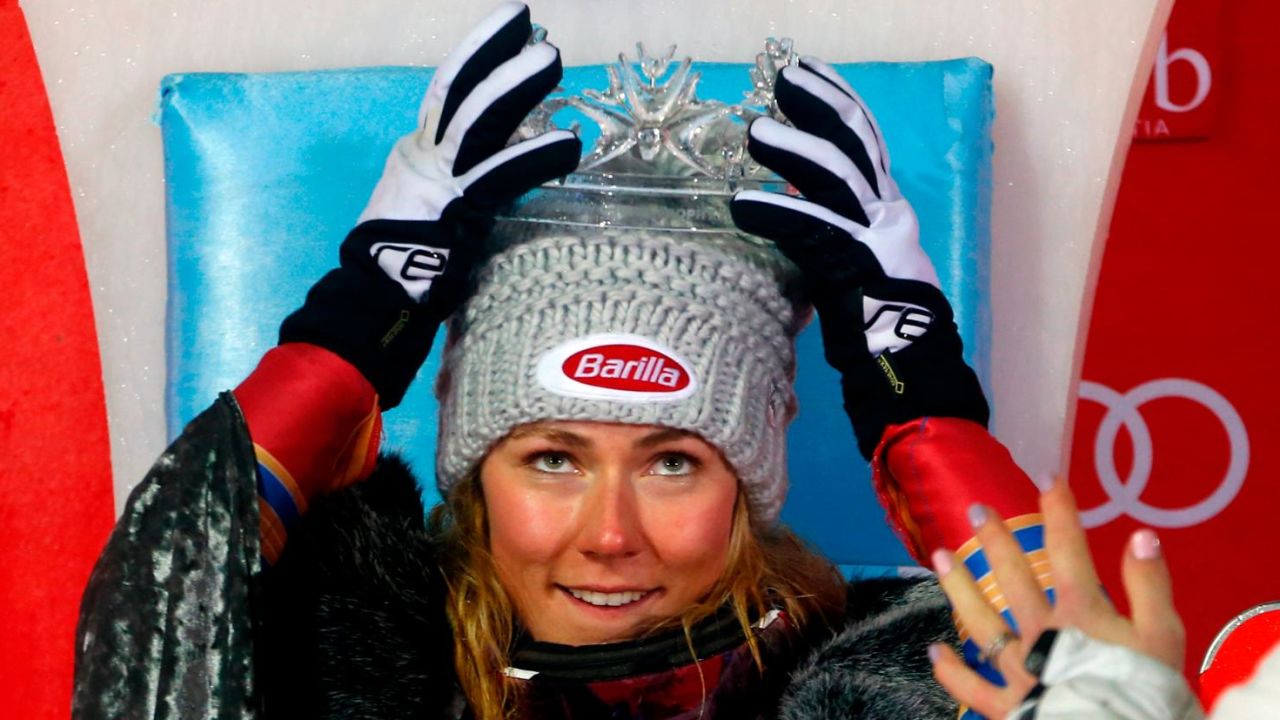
{"x": 315, "y": 424}
{"x": 928, "y": 472}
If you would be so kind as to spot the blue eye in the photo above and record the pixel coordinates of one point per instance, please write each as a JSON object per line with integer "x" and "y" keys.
{"x": 552, "y": 462}
{"x": 674, "y": 464}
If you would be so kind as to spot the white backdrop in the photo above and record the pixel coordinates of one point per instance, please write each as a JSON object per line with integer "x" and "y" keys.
{"x": 1068, "y": 76}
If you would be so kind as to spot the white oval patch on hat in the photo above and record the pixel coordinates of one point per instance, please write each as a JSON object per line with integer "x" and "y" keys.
{"x": 627, "y": 368}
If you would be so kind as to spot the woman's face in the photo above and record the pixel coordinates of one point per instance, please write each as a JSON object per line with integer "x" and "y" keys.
{"x": 599, "y": 530}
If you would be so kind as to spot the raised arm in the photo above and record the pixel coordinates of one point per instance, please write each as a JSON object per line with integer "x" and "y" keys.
{"x": 351, "y": 350}
{"x": 168, "y": 619}
{"x": 917, "y": 408}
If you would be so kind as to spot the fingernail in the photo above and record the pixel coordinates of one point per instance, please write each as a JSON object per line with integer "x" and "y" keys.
{"x": 978, "y": 515}
{"x": 1145, "y": 545}
{"x": 935, "y": 652}
{"x": 941, "y": 562}
{"x": 1046, "y": 481}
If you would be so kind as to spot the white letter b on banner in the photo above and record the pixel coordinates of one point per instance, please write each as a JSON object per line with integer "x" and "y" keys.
{"x": 1204, "y": 76}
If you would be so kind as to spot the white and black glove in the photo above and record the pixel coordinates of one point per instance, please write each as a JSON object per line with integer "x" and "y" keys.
{"x": 1082, "y": 678}
{"x": 886, "y": 325}
{"x": 405, "y": 266}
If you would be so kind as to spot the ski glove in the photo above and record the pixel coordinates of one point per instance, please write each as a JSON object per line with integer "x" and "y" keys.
{"x": 405, "y": 266}
{"x": 886, "y": 326}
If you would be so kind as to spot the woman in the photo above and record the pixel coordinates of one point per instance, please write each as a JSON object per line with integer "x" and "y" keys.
{"x": 613, "y": 418}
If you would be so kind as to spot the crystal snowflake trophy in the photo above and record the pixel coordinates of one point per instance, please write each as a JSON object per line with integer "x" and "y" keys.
{"x": 659, "y": 157}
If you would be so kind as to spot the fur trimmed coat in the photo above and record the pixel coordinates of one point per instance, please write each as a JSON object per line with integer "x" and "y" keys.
{"x": 179, "y": 620}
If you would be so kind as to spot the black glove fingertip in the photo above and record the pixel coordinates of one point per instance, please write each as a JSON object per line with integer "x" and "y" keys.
{"x": 524, "y": 172}
{"x": 501, "y": 46}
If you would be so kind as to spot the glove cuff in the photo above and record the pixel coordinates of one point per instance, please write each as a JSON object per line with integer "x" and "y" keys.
{"x": 929, "y": 378}
{"x": 1082, "y": 676}
{"x": 360, "y": 314}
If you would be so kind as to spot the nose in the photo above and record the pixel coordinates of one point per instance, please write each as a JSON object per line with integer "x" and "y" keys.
{"x": 611, "y": 527}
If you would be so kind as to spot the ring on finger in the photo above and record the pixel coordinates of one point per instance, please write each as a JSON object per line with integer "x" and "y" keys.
{"x": 996, "y": 646}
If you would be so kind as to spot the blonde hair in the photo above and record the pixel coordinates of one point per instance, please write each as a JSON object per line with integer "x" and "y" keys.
{"x": 766, "y": 568}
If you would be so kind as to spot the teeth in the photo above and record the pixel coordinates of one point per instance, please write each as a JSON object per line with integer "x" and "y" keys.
{"x": 600, "y": 599}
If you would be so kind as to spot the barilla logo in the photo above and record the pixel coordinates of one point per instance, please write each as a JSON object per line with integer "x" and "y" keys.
{"x": 626, "y": 367}
{"x": 629, "y": 368}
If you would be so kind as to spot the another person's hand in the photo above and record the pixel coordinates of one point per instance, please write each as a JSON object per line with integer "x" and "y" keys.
{"x": 1127, "y": 661}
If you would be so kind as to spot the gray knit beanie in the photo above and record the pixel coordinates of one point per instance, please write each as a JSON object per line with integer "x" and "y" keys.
{"x": 695, "y": 332}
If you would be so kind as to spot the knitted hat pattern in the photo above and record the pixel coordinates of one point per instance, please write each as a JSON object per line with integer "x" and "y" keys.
{"x": 728, "y": 309}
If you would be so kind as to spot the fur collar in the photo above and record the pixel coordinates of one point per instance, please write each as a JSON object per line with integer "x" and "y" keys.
{"x": 353, "y": 625}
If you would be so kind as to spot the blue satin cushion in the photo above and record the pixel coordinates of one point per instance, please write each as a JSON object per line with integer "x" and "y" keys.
{"x": 265, "y": 173}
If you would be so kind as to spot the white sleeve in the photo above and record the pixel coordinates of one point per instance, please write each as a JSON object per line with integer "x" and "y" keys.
{"x": 1084, "y": 678}
{"x": 1257, "y": 698}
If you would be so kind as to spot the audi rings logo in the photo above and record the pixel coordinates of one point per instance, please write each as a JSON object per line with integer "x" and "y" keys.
{"x": 1124, "y": 496}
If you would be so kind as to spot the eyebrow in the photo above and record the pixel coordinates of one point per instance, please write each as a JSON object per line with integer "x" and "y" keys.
{"x": 575, "y": 440}
{"x": 660, "y": 436}
{"x": 555, "y": 435}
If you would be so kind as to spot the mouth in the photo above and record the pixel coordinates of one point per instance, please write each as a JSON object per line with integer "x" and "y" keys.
{"x": 609, "y": 600}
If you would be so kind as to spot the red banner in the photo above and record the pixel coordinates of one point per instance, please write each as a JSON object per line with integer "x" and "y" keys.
{"x": 55, "y": 482}
{"x": 1178, "y": 424}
